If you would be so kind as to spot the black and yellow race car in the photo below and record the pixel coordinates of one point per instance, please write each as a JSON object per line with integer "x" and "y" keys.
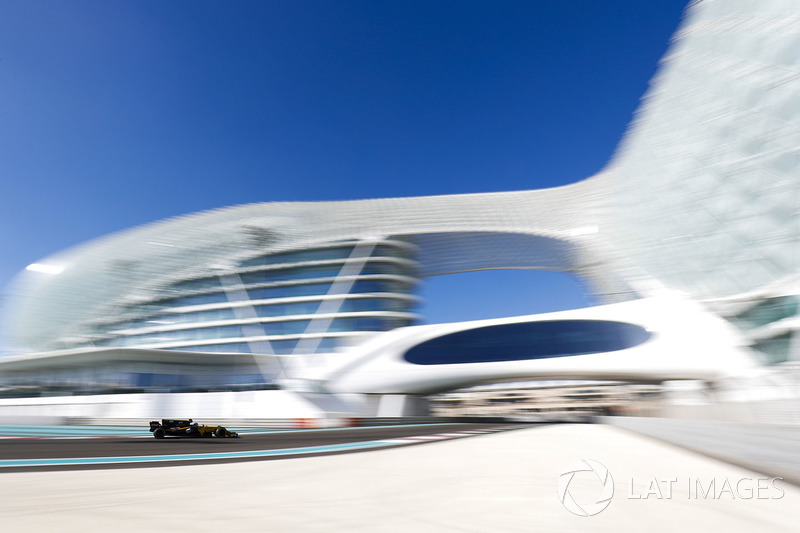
{"x": 187, "y": 428}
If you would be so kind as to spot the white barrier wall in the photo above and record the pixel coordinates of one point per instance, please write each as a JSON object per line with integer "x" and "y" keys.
{"x": 201, "y": 405}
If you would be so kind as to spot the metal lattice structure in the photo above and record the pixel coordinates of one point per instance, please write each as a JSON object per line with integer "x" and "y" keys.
{"x": 532, "y": 229}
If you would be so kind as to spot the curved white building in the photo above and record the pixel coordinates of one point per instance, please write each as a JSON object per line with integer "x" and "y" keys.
{"x": 695, "y": 218}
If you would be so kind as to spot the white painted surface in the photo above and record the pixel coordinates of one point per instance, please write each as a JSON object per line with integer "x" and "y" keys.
{"x": 227, "y": 405}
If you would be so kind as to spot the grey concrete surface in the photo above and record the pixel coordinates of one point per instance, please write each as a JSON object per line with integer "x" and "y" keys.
{"x": 770, "y": 449}
{"x": 505, "y": 482}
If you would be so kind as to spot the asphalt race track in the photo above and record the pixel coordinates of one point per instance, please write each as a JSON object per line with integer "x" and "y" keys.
{"x": 107, "y": 451}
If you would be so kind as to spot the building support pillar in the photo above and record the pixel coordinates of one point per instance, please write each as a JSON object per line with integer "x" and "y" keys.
{"x": 399, "y": 405}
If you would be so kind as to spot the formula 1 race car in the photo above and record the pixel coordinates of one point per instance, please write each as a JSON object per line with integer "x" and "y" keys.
{"x": 187, "y": 428}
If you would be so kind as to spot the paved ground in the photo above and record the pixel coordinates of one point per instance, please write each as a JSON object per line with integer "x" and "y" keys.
{"x": 494, "y": 483}
{"x": 765, "y": 448}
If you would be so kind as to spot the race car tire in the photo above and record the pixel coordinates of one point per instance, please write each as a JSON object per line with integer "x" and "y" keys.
{"x": 159, "y": 433}
{"x": 220, "y": 432}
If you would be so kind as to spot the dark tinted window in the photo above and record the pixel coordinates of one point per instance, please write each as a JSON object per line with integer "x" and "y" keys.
{"x": 529, "y": 340}
{"x": 288, "y": 274}
{"x": 770, "y": 310}
{"x": 299, "y": 256}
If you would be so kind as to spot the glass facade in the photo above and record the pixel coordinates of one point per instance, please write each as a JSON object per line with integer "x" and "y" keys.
{"x": 762, "y": 322}
{"x": 284, "y": 327}
{"x": 528, "y": 340}
{"x": 775, "y": 350}
{"x": 278, "y": 299}
{"x": 134, "y": 377}
{"x": 325, "y": 254}
{"x": 703, "y": 189}
{"x": 766, "y": 312}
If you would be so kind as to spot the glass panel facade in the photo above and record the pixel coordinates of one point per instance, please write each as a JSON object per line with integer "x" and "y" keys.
{"x": 283, "y": 347}
{"x": 209, "y": 315}
{"x": 197, "y": 284}
{"x": 346, "y": 306}
{"x": 361, "y": 287}
{"x": 385, "y": 268}
{"x": 326, "y": 254}
{"x": 145, "y": 377}
{"x": 360, "y": 324}
{"x": 260, "y": 295}
{"x": 233, "y": 347}
{"x": 328, "y": 344}
{"x": 384, "y": 250}
{"x": 528, "y": 340}
{"x": 375, "y": 304}
{"x": 766, "y": 312}
{"x": 288, "y": 327}
{"x": 268, "y": 293}
{"x": 291, "y": 327}
{"x": 299, "y": 256}
{"x": 297, "y": 308}
{"x": 776, "y": 349}
{"x": 197, "y": 299}
{"x": 218, "y": 332}
{"x": 287, "y": 274}
{"x": 314, "y": 289}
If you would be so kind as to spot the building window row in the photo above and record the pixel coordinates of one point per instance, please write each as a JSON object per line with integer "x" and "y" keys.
{"x": 278, "y": 347}
{"x": 348, "y": 305}
{"x": 288, "y": 327}
{"x": 274, "y": 292}
{"x": 326, "y": 254}
{"x": 286, "y": 270}
{"x": 216, "y": 305}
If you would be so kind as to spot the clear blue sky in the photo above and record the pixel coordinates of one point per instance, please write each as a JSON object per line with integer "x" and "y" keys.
{"x": 114, "y": 114}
